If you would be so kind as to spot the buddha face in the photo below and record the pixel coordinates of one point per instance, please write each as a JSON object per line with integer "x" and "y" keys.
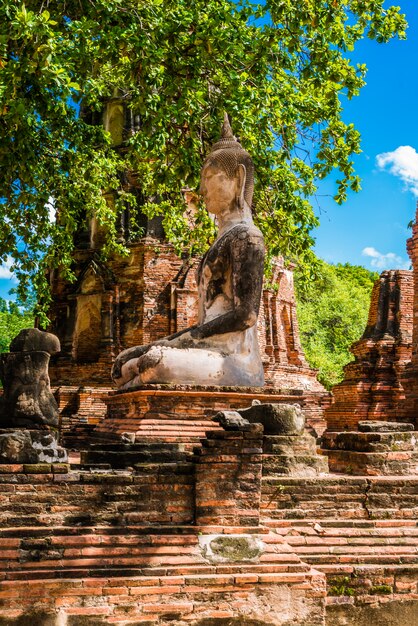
{"x": 220, "y": 192}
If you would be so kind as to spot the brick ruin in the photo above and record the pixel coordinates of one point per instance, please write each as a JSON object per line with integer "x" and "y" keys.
{"x": 372, "y": 388}
{"x": 214, "y": 536}
{"x": 163, "y": 517}
{"x": 371, "y": 425}
{"x": 170, "y": 519}
{"x": 381, "y": 382}
{"x": 150, "y": 294}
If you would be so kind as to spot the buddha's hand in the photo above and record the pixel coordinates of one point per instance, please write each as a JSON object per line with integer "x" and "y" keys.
{"x": 124, "y": 357}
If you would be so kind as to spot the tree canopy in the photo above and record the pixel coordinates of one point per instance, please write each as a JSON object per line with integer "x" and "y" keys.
{"x": 332, "y": 315}
{"x": 280, "y": 69}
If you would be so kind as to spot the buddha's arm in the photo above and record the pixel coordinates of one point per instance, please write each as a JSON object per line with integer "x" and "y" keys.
{"x": 137, "y": 351}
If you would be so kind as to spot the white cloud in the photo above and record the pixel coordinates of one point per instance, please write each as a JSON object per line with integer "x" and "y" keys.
{"x": 51, "y": 209}
{"x": 403, "y": 163}
{"x": 389, "y": 261}
{"x": 5, "y": 269}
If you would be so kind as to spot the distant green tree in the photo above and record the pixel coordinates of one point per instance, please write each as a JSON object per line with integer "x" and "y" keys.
{"x": 12, "y": 319}
{"x": 332, "y": 313}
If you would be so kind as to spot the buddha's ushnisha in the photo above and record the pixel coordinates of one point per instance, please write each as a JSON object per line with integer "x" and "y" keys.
{"x": 222, "y": 348}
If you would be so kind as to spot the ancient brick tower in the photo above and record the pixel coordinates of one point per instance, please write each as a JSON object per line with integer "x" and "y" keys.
{"x": 372, "y": 387}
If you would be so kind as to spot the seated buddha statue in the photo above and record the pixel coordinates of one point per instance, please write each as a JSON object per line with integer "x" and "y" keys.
{"x": 222, "y": 348}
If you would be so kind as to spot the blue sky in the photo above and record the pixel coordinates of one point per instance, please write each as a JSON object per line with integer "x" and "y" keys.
{"x": 370, "y": 229}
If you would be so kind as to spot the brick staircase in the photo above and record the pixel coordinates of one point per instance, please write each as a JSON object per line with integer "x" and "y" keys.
{"x": 362, "y": 533}
{"x": 66, "y": 552}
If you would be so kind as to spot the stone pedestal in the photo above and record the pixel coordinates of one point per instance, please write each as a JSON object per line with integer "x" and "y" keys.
{"x": 30, "y": 446}
{"x": 183, "y": 414}
{"x": 375, "y": 450}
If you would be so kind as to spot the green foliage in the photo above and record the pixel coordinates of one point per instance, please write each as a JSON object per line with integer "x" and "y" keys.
{"x": 340, "y": 586}
{"x": 281, "y": 70}
{"x": 381, "y": 590}
{"x": 12, "y": 319}
{"x": 332, "y": 314}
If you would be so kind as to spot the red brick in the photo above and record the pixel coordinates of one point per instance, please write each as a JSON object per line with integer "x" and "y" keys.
{"x": 185, "y": 607}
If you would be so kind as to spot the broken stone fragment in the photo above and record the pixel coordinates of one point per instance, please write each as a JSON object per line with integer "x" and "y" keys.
{"x": 377, "y": 426}
{"x": 277, "y": 419}
{"x": 231, "y": 548}
{"x": 30, "y": 446}
{"x": 27, "y": 400}
{"x": 231, "y": 420}
{"x": 35, "y": 340}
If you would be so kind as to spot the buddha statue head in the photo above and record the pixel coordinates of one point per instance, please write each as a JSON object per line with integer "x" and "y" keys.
{"x": 227, "y": 173}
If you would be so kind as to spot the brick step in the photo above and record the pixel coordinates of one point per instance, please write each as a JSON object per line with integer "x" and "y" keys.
{"x": 183, "y": 427}
{"x": 366, "y": 570}
{"x": 155, "y": 531}
{"x": 320, "y": 511}
{"x": 136, "y": 548}
{"x": 306, "y": 465}
{"x": 367, "y": 559}
{"x": 173, "y": 563}
{"x": 339, "y": 547}
{"x": 370, "y": 580}
{"x": 393, "y": 529}
{"x": 372, "y": 442}
{"x": 148, "y": 565}
{"x": 163, "y": 423}
{"x": 121, "y": 455}
{"x": 204, "y": 576}
{"x": 131, "y": 569}
{"x": 369, "y": 541}
{"x": 165, "y": 431}
{"x": 336, "y": 526}
{"x": 346, "y": 544}
{"x": 399, "y": 463}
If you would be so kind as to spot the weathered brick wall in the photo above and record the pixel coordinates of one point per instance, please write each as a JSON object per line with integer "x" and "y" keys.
{"x": 136, "y": 295}
{"x": 115, "y": 547}
{"x": 199, "y": 600}
{"x": 340, "y": 498}
{"x": 228, "y": 478}
{"x": 129, "y": 548}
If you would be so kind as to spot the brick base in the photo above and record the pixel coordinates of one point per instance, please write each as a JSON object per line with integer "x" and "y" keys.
{"x": 183, "y": 414}
{"x": 372, "y": 453}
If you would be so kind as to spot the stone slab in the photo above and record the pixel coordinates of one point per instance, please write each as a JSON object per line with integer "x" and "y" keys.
{"x": 297, "y": 465}
{"x": 289, "y": 444}
{"x": 370, "y": 426}
{"x": 373, "y": 464}
{"x": 371, "y": 441}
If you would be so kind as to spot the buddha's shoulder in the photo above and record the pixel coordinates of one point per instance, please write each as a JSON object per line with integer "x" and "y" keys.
{"x": 248, "y": 232}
